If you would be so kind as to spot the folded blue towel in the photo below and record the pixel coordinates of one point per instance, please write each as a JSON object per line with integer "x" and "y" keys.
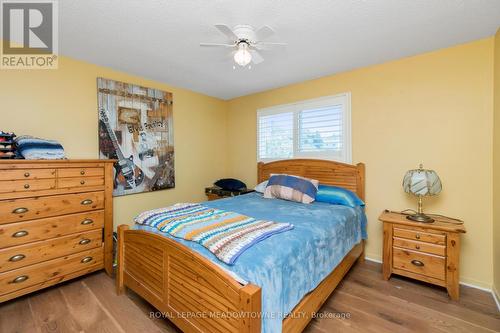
{"x": 32, "y": 148}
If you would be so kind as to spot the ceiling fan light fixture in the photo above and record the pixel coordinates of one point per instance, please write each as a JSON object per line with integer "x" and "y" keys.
{"x": 243, "y": 56}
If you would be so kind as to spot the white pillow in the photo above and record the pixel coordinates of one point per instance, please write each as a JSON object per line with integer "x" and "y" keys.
{"x": 261, "y": 187}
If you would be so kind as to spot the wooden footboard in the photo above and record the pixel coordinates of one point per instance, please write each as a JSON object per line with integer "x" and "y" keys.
{"x": 192, "y": 292}
{"x": 198, "y": 296}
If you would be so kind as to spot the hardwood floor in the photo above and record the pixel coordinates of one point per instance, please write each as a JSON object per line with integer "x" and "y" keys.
{"x": 369, "y": 304}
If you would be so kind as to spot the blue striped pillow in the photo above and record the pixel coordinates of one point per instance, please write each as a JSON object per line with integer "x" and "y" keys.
{"x": 293, "y": 188}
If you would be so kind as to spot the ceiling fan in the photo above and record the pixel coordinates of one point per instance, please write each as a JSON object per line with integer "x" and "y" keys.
{"x": 245, "y": 42}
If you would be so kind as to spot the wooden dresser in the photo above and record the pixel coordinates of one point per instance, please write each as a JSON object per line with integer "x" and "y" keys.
{"x": 56, "y": 222}
{"x": 428, "y": 252}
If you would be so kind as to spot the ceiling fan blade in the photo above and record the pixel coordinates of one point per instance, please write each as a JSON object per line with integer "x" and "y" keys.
{"x": 256, "y": 57}
{"x": 216, "y": 45}
{"x": 267, "y": 45}
{"x": 264, "y": 32}
{"x": 226, "y": 31}
{"x": 271, "y": 44}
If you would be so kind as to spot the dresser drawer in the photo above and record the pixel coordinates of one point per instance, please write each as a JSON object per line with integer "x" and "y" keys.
{"x": 27, "y": 185}
{"x": 420, "y": 263}
{"x": 80, "y": 182}
{"x": 419, "y": 246}
{"x": 80, "y": 172}
{"x": 56, "y": 268}
{"x": 13, "y": 174}
{"x": 32, "y": 253}
{"x": 421, "y": 236}
{"x": 24, "y": 232}
{"x": 34, "y": 208}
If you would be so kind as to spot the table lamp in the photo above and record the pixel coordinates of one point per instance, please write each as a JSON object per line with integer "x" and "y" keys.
{"x": 421, "y": 182}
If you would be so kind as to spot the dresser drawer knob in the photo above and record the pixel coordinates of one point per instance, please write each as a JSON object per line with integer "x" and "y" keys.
{"x": 417, "y": 263}
{"x": 417, "y": 247}
{"x": 26, "y": 174}
{"x": 87, "y": 222}
{"x": 26, "y": 186}
{"x": 20, "y": 210}
{"x": 86, "y": 260}
{"x": 84, "y": 241}
{"x": 21, "y": 233}
{"x": 82, "y": 172}
{"x": 86, "y": 202}
{"x": 20, "y": 279}
{"x": 417, "y": 236}
{"x": 17, "y": 257}
{"x": 82, "y": 182}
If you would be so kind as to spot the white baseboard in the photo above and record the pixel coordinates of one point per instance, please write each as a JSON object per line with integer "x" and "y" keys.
{"x": 491, "y": 290}
{"x": 496, "y": 296}
{"x": 373, "y": 259}
{"x": 475, "y": 286}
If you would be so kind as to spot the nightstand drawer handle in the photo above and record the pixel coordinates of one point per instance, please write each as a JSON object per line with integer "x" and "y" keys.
{"x": 20, "y": 279}
{"x": 86, "y": 260}
{"x": 86, "y": 202}
{"x": 20, "y": 210}
{"x": 26, "y": 174}
{"x": 26, "y": 186}
{"x": 417, "y": 247}
{"x": 84, "y": 241}
{"x": 82, "y": 182}
{"x": 87, "y": 222}
{"x": 21, "y": 233}
{"x": 417, "y": 263}
{"x": 82, "y": 172}
{"x": 417, "y": 236}
{"x": 17, "y": 257}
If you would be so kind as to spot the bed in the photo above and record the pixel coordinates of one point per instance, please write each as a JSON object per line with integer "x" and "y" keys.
{"x": 189, "y": 286}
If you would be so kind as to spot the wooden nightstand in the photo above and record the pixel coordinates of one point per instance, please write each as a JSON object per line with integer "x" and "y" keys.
{"x": 214, "y": 193}
{"x": 428, "y": 252}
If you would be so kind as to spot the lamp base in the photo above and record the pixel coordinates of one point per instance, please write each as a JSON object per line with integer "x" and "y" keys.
{"x": 420, "y": 218}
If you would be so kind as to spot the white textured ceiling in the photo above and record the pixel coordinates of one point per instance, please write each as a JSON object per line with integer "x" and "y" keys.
{"x": 159, "y": 39}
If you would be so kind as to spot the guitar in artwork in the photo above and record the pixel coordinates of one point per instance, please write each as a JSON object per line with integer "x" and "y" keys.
{"x": 127, "y": 173}
{"x": 160, "y": 180}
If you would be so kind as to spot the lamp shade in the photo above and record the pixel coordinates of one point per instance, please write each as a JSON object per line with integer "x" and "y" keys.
{"x": 422, "y": 182}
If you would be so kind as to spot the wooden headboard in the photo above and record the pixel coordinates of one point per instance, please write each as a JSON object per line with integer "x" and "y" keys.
{"x": 351, "y": 177}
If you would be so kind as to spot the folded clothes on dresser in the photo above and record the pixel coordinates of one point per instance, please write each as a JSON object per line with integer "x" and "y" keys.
{"x": 7, "y": 149}
{"x": 32, "y": 148}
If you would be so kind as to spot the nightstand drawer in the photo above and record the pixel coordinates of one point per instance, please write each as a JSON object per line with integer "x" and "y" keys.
{"x": 420, "y": 263}
{"x": 440, "y": 250}
{"x": 421, "y": 236}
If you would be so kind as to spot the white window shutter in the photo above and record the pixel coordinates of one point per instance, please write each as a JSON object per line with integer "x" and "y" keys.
{"x": 318, "y": 128}
{"x": 275, "y": 137}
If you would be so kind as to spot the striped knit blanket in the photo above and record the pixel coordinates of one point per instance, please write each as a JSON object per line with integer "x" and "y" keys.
{"x": 32, "y": 148}
{"x": 226, "y": 234}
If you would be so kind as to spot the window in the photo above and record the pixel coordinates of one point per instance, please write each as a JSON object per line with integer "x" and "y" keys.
{"x": 318, "y": 128}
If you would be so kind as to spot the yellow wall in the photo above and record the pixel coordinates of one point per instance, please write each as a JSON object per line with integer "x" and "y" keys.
{"x": 496, "y": 168}
{"x": 62, "y": 104}
{"x": 435, "y": 108}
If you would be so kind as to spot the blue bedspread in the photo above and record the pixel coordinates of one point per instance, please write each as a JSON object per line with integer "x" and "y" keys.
{"x": 289, "y": 265}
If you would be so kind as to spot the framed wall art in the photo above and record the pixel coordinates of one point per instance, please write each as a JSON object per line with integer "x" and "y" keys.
{"x": 136, "y": 128}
